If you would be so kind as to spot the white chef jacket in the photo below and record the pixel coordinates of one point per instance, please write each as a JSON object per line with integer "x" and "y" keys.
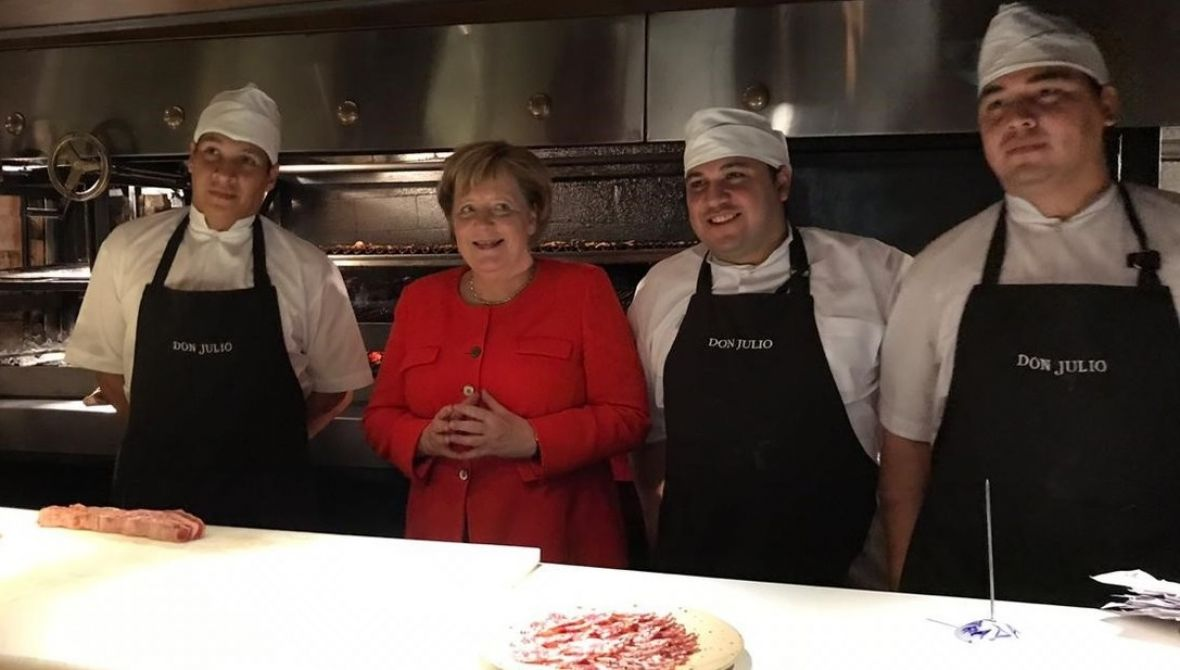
{"x": 319, "y": 326}
{"x": 853, "y": 281}
{"x": 1089, "y": 248}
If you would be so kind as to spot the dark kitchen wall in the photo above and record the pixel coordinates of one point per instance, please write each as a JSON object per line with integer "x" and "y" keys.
{"x": 905, "y": 191}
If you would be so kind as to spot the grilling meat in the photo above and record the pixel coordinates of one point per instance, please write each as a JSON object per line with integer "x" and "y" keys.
{"x": 361, "y": 248}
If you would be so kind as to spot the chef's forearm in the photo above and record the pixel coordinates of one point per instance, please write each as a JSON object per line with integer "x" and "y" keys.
{"x": 323, "y": 407}
{"x": 905, "y": 471}
{"x": 112, "y": 390}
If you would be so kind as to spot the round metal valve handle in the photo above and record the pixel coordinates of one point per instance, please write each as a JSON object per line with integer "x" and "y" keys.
{"x": 79, "y": 167}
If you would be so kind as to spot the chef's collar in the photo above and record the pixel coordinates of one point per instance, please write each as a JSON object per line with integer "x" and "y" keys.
{"x": 1024, "y": 212}
{"x": 775, "y": 256}
{"x": 200, "y": 227}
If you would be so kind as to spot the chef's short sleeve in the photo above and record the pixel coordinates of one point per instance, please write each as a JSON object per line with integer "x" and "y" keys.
{"x": 336, "y": 356}
{"x": 97, "y": 340}
{"x": 886, "y": 267}
{"x": 645, "y": 315}
{"x": 910, "y": 363}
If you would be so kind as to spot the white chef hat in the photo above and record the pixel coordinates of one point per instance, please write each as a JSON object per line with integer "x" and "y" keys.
{"x": 720, "y": 132}
{"x": 1020, "y": 36}
{"x": 245, "y": 114}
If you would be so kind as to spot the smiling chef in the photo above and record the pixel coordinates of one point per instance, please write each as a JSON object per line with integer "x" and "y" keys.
{"x": 224, "y": 339}
{"x": 760, "y": 346}
{"x": 1037, "y": 345}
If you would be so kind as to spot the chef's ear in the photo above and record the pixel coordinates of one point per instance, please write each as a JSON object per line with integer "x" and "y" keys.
{"x": 272, "y": 177}
{"x": 188, "y": 162}
{"x": 782, "y": 182}
{"x": 1108, "y": 98}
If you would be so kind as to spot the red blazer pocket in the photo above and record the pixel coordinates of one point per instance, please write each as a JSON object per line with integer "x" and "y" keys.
{"x": 550, "y": 347}
{"x": 419, "y": 356}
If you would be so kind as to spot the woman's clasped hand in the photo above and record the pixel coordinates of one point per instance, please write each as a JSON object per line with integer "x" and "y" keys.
{"x": 477, "y": 427}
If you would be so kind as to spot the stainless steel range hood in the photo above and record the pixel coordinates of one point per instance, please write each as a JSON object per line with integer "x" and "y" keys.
{"x": 363, "y": 92}
{"x": 817, "y": 68}
{"x": 51, "y": 23}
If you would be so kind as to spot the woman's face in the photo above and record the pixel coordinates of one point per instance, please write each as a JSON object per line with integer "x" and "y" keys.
{"x": 493, "y": 223}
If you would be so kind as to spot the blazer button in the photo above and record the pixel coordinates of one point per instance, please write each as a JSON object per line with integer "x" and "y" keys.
{"x": 468, "y": 390}
{"x": 463, "y": 474}
{"x": 476, "y": 351}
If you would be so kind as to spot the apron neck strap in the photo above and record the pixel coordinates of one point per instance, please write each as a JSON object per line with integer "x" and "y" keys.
{"x": 1146, "y": 260}
{"x": 798, "y": 281}
{"x": 261, "y": 277}
{"x": 995, "y": 249}
{"x": 170, "y": 252}
{"x": 258, "y": 242}
{"x": 705, "y": 276}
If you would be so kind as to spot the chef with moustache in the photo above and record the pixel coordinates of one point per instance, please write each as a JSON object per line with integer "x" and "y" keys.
{"x": 760, "y": 349}
{"x": 225, "y": 340}
{"x": 1036, "y": 345}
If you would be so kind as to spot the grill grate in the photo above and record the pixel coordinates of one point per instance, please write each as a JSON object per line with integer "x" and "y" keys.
{"x": 554, "y": 246}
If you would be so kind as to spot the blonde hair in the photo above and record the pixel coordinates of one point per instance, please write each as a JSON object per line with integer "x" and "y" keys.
{"x": 480, "y": 161}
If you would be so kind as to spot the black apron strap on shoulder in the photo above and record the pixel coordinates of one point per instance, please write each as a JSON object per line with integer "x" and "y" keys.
{"x": 705, "y": 276}
{"x": 995, "y": 250}
{"x": 800, "y": 279}
{"x": 170, "y": 252}
{"x": 1147, "y": 260}
{"x": 261, "y": 277}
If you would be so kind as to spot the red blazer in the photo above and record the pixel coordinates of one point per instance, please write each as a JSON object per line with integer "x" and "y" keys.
{"x": 560, "y": 355}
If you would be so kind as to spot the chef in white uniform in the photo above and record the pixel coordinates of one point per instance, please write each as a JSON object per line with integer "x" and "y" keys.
{"x": 1036, "y": 345}
{"x": 224, "y": 339}
{"x": 760, "y": 346}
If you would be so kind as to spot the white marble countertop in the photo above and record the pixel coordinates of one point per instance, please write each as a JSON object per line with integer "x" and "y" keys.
{"x": 243, "y": 598}
{"x": 790, "y": 627}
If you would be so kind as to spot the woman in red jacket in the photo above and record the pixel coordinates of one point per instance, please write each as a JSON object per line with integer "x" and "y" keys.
{"x": 507, "y": 385}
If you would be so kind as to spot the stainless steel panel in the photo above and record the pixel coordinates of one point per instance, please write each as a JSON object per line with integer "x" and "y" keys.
{"x": 1170, "y": 159}
{"x": 879, "y": 67}
{"x": 1170, "y": 144}
{"x": 419, "y": 88}
{"x": 46, "y": 381}
{"x": 68, "y": 427}
{"x": 58, "y": 427}
{"x": 25, "y": 13}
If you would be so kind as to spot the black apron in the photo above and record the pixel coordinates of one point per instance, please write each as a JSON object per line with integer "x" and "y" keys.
{"x": 765, "y": 478}
{"x": 1065, "y": 396}
{"x": 218, "y": 422}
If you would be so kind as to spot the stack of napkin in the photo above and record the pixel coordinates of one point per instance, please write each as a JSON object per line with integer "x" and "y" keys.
{"x": 1148, "y": 597}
